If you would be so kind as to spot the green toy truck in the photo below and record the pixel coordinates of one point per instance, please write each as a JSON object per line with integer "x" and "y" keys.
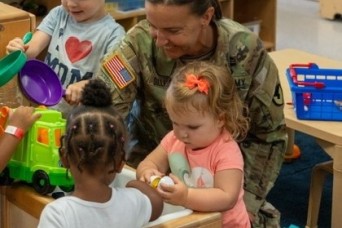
{"x": 36, "y": 159}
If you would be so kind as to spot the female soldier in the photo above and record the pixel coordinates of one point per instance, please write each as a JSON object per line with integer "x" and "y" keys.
{"x": 179, "y": 31}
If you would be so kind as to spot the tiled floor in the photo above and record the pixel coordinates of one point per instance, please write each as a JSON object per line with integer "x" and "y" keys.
{"x": 300, "y": 26}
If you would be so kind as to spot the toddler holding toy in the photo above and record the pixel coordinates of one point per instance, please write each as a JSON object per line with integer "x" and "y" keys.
{"x": 205, "y": 160}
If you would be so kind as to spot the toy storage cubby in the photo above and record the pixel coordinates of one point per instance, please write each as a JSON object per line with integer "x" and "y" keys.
{"x": 13, "y": 23}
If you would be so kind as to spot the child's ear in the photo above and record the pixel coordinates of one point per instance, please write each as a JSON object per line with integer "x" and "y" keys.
{"x": 65, "y": 162}
{"x": 221, "y": 120}
{"x": 121, "y": 167}
{"x": 64, "y": 159}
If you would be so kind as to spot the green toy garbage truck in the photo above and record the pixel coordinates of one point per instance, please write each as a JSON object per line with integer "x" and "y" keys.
{"x": 36, "y": 159}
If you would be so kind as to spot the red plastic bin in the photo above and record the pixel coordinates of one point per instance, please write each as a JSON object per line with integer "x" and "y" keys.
{"x": 316, "y": 93}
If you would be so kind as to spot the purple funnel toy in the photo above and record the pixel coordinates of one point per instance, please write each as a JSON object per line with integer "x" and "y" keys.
{"x": 40, "y": 83}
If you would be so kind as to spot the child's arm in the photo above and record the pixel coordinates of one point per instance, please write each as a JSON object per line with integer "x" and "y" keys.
{"x": 74, "y": 91}
{"x": 22, "y": 118}
{"x": 152, "y": 194}
{"x": 156, "y": 163}
{"x": 223, "y": 196}
{"x": 39, "y": 41}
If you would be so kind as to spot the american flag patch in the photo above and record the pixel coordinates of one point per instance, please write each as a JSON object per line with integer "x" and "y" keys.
{"x": 118, "y": 72}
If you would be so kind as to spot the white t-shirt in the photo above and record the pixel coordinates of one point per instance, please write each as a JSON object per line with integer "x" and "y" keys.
{"x": 128, "y": 207}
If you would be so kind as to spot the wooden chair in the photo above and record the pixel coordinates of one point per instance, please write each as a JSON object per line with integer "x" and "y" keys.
{"x": 318, "y": 175}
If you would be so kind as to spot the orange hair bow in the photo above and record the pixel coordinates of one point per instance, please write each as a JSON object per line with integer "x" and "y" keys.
{"x": 193, "y": 81}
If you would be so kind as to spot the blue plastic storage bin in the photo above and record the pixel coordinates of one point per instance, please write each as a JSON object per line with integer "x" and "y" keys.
{"x": 316, "y": 93}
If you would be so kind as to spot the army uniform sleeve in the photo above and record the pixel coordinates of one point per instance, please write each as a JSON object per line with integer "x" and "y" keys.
{"x": 120, "y": 74}
{"x": 258, "y": 83}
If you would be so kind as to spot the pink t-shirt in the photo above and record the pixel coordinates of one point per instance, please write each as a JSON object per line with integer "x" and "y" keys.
{"x": 197, "y": 169}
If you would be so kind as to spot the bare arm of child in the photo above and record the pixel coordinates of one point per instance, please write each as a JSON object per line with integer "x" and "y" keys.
{"x": 152, "y": 194}
{"x": 38, "y": 43}
{"x": 222, "y": 197}
{"x": 155, "y": 164}
{"x": 22, "y": 118}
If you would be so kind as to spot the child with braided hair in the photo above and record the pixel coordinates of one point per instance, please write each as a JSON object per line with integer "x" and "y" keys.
{"x": 201, "y": 151}
{"x": 93, "y": 149}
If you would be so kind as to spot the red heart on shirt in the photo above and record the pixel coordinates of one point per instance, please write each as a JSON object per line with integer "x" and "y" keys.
{"x": 77, "y": 50}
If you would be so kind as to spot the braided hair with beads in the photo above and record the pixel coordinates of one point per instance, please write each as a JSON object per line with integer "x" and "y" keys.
{"x": 95, "y": 133}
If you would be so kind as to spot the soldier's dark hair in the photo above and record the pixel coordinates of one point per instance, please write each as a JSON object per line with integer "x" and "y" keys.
{"x": 95, "y": 132}
{"x": 198, "y": 7}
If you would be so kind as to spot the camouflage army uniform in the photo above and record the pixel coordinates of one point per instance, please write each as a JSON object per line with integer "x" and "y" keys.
{"x": 256, "y": 77}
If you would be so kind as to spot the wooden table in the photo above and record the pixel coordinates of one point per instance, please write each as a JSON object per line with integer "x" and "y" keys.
{"x": 21, "y": 206}
{"x": 328, "y": 134}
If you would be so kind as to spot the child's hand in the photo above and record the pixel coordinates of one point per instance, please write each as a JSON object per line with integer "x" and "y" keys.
{"x": 16, "y": 44}
{"x": 23, "y": 117}
{"x": 74, "y": 91}
{"x": 147, "y": 173}
{"x": 176, "y": 194}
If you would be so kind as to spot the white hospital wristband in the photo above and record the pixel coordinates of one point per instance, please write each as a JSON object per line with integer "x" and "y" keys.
{"x": 15, "y": 131}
